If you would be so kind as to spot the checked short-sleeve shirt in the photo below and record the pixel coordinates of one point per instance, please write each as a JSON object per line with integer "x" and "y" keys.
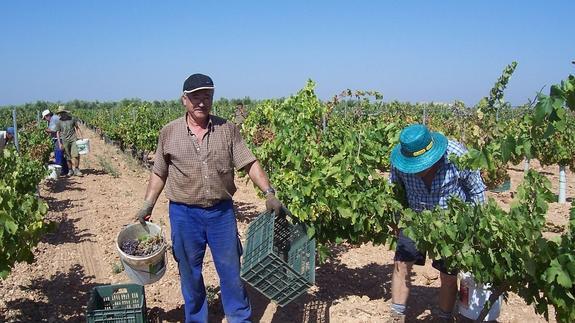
{"x": 200, "y": 174}
{"x": 448, "y": 182}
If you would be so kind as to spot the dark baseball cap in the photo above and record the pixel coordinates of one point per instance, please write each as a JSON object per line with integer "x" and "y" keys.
{"x": 196, "y": 82}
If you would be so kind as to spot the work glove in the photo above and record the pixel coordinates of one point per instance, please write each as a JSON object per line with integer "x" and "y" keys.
{"x": 274, "y": 205}
{"x": 145, "y": 212}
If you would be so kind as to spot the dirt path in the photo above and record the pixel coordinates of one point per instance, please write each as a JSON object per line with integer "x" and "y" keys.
{"x": 354, "y": 286}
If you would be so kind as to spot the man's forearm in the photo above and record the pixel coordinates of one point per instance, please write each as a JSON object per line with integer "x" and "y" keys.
{"x": 155, "y": 187}
{"x": 258, "y": 175}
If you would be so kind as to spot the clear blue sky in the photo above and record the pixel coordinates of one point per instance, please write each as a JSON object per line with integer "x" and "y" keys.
{"x": 409, "y": 50}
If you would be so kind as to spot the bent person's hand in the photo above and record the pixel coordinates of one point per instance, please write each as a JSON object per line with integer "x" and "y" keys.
{"x": 274, "y": 205}
{"x": 394, "y": 228}
{"x": 145, "y": 212}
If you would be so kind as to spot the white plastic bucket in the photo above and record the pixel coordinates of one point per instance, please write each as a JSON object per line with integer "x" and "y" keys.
{"x": 473, "y": 296}
{"x": 55, "y": 171}
{"x": 83, "y": 146}
{"x": 142, "y": 270}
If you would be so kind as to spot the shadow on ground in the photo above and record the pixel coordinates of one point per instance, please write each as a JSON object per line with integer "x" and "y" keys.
{"x": 522, "y": 170}
{"x": 246, "y": 212}
{"x": 336, "y": 281}
{"x": 159, "y": 315}
{"x": 90, "y": 171}
{"x": 57, "y": 205}
{"x": 60, "y": 298}
{"x": 63, "y": 184}
{"x": 65, "y": 231}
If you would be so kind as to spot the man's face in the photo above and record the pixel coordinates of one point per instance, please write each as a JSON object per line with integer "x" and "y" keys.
{"x": 430, "y": 170}
{"x": 199, "y": 103}
{"x": 9, "y": 136}
{"x": 47, "y": 117}
{"x": 423, "y": 172}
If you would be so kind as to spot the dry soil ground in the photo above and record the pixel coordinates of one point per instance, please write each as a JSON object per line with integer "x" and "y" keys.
{"x": 353, "y": 286}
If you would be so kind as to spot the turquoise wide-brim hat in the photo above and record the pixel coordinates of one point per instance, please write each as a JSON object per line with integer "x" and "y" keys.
{"x": 418, "y": 149}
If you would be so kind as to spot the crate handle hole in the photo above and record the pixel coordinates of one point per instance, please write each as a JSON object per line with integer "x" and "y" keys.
{"x": 121, "y": 291}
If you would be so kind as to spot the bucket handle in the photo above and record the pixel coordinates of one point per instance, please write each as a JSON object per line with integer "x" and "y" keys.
{"x": 145, "y": 226}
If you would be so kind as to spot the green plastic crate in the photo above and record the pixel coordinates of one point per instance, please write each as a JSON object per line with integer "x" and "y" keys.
{"x": 124, "y": 303}
{"x": 279, "y": 258}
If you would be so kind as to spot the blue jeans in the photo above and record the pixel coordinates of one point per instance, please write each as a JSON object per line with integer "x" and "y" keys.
{"x": 192, "y": 229}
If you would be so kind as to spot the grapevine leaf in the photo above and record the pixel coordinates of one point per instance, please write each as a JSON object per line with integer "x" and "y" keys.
{"x": 563, "y": 279}
{"x": 446, "y": 251}
{"x": 506, "y": 149}
{"x": 310, "y": 231}
{"x": 11, "y": 227}
{"x": 348, "y": 179}
{"x": 542, "y": 108}
{"x": 556, "y": 91}
{"x": 345, "y": 212}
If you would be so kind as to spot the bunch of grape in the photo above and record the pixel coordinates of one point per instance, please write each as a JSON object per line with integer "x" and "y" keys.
{"x": 143, "y": 247}
{"x": 150, "y": 245}
{"x": 130, "y": 247}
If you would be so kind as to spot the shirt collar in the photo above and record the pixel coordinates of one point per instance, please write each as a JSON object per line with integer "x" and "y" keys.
{"x": 210, "y": 123}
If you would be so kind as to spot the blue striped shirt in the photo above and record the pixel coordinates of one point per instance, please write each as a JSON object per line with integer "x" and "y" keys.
{"x": 449, "y": 181}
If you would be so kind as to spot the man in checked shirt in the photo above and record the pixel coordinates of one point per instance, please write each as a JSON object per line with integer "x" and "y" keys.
{"x": 195, "y": 160}
{"x": 420, "y": 163}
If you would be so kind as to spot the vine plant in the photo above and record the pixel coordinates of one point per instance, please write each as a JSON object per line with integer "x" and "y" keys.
{"x": 330, "y": 179}
{"x": 21, "y": 212}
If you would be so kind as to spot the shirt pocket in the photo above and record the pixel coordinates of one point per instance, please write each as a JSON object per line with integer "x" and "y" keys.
{"x": 222, "y": 169}
{"x": 225, "y": 180}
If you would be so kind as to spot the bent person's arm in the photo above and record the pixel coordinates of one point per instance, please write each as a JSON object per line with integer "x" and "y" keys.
{"x": 473, "y": 186}
{"x": 59, "y": 140}
{"x": 78, "y": 130}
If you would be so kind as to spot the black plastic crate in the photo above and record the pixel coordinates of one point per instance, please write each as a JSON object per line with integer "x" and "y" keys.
{"x": 125, "y": 303}
{"x": 279, "y": 258}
